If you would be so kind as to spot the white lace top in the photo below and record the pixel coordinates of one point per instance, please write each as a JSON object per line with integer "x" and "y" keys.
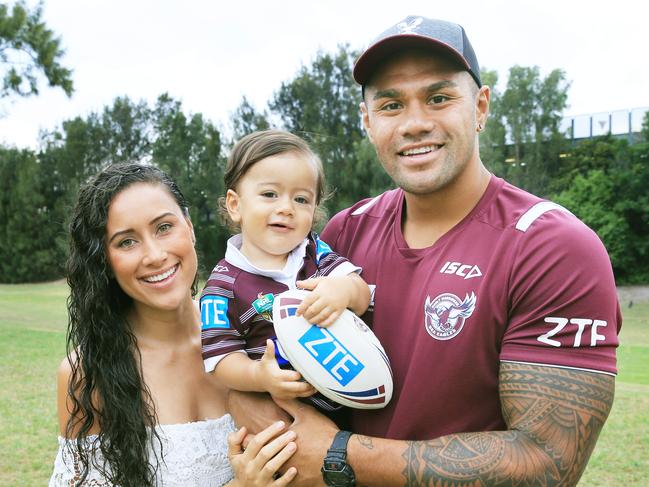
{"x": 195, "y": 455}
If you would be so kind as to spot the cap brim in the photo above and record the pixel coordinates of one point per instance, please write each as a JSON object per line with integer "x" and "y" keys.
{"x": 378, "y": 52}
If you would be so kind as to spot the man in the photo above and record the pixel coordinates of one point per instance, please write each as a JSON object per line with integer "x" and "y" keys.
{"x": 497, "y": 309}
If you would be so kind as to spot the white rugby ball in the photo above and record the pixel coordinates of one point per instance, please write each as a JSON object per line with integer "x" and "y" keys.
{"x": 345, "y": 361}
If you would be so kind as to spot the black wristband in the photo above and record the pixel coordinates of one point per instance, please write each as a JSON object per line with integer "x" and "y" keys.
{"x": 339, "y": 443}
{"x": 335, "y": 469}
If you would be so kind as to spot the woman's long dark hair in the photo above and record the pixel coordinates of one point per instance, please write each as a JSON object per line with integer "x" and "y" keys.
{"x": 106, "y": 385}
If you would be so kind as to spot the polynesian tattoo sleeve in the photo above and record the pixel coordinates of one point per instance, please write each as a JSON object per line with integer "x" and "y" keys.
{"x": 554, "y": 417}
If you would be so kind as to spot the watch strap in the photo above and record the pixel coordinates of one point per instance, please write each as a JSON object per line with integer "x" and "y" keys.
{"x": 339, "y": 443}
{"x": 335, "y": 470}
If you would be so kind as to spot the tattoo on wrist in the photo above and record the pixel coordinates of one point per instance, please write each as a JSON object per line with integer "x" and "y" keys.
{"x": 365, "y": 441}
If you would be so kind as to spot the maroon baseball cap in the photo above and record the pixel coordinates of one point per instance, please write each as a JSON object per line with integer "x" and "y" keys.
{"x": 418, "y": 32}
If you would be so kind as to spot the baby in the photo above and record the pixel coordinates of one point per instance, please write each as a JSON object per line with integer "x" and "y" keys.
{"x": 274, "y": 185}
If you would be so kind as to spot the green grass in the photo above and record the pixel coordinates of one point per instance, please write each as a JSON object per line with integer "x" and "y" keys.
{"x": 621, "y": 457}
{"x": 32, "y": 344}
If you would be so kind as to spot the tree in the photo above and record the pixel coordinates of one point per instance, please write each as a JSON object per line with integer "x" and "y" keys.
{"x": 29, "y": 50}
{"x": 530, "y": 110}
{"x": 365, "y": 177}
{"x": 30, "y": 228}
{"x": 188, "y": 148}
{"x": 493, "y": 147}
{"x": 126, "y": 131}
{"x": 645, "y": 127}
{"x": 246, "y": 120}
{"x": 604, "y": 183}
{"x": 84, "y": 146}
{"x": 321, "y": 105}
{"x": 606, "y": 153}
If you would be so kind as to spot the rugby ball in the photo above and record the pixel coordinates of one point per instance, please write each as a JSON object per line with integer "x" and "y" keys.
{"x": 345, "y": 361}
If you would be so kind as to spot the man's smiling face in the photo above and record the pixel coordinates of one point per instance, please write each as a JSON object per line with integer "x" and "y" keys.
{"x": 421, "y": 112}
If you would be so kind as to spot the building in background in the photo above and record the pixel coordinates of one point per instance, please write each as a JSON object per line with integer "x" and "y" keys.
{"x": 620, "y": 123}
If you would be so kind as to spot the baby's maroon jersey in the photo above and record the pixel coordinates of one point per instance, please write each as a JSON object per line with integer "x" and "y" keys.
{"x": 229, "y": 320}
{"x": 519, "y": 279}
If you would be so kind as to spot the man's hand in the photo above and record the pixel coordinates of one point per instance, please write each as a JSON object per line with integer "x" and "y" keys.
{"x": 255, "y": 410}
{"x": 314, "y": 432}
{"x": 282, "y": 384}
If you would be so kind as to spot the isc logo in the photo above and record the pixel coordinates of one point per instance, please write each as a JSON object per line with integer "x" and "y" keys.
{"x": 331, "y": 354}
{"x": 466, "y": 271}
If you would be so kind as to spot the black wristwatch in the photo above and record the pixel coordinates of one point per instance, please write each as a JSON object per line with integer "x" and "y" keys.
{"x": 335, "y": 470}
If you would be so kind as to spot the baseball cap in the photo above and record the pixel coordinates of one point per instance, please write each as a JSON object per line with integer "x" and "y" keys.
{"x": 418, "y": 32}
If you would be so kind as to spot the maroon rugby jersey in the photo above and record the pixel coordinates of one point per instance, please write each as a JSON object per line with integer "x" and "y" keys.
{"x": 518, "y": 279}
{"x": 229, "y": 320}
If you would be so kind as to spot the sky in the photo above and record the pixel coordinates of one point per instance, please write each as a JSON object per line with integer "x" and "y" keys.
{"x": 209, "y": 54}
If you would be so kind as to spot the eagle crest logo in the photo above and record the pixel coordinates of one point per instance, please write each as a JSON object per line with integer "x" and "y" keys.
{"x": 409, "y": 26}
{"x": 446, "y": 314}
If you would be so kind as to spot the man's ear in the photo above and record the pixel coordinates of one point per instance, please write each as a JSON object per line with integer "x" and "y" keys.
{"x": 233, "y": 204}
{"x": 482, "y": 105}
{"x": 365, "y": 117}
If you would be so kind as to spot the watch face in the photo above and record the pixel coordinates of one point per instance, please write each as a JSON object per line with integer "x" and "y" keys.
{"x": 339, "y": 475}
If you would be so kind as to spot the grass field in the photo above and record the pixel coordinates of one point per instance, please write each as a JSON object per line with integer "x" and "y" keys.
{"x": 32, "y": 343}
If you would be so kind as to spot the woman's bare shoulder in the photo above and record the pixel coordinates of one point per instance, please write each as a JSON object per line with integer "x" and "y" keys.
{"x": 65, "y": 367}
{"x": 64, "y": 401}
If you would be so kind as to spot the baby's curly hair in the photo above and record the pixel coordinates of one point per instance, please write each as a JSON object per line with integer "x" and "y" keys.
{"x": 262, "y": 144}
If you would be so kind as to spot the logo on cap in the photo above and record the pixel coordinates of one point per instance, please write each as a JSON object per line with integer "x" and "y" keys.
{"x": 409, "y": 27}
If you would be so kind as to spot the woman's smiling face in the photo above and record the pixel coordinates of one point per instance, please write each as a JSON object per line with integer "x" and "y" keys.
{"x": 150, "y": 246}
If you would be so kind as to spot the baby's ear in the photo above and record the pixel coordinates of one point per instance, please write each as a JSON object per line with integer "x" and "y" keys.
{"x": 232, "y": 204}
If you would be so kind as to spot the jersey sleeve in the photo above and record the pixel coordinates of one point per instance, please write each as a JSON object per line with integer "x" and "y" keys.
{"x": 221, "y": 329}
{"x": 563, "y": 307}
{"x": 334, "y": 229}
{"x": 330, "y": 263}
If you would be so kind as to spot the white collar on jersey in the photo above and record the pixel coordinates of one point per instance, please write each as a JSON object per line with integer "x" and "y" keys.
{"x": 286, "y": 276}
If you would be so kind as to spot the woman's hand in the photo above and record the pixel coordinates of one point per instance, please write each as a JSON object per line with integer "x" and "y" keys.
{"x": 258, "y": 465}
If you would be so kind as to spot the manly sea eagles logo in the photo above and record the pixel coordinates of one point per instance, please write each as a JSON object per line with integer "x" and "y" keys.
{"x": 410, "y": 25}
{"x": 446, "y": 314}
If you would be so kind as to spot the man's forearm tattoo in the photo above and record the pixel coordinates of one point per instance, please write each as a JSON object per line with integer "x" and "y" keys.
{"x": 553, "y": 415}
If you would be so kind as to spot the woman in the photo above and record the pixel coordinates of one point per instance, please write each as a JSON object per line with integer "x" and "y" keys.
{"x": 134, "y": 404}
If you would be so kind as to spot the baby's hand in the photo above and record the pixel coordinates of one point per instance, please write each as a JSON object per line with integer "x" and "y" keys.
{"x": 329, "y": 297}
{"x": 283, "y": 384}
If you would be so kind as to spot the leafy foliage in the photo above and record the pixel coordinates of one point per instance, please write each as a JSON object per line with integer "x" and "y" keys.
{"x": 321, "y": 104}
{"x": 189, "y": 149}
{"x": 30, "y": 223}
{"x": 29, "y": 50}
{"x": 246, "y": 120}
{"x": 603, "y": 180}
{"x": 523, "y": 142}
{"x": 605, "y": 184}
{"x": 39, "y": 189}
{"x": 493, "y": 141}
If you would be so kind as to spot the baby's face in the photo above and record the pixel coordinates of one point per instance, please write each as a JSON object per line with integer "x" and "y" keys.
{"x": 274, "y": 203}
